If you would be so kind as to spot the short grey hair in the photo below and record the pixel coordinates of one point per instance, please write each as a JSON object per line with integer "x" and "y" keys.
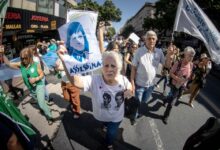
{"x": 190, "y": 50}
{"x": 150, "y": 33}
{"x": 116, "y": 56}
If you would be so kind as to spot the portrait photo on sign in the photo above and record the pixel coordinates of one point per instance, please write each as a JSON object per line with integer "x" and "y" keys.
{"x": 79, "y": 35}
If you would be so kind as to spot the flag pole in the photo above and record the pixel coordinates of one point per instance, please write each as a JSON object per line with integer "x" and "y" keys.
{"x": 176, "y": 19}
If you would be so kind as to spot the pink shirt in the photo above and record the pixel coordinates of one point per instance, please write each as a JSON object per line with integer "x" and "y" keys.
{"x": 184, "y": 72}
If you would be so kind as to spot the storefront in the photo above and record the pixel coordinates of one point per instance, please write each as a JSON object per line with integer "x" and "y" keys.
{"x": 24, "y": 27}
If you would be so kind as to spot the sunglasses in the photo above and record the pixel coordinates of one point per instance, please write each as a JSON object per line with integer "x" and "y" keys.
{"x": 24, "y": 58}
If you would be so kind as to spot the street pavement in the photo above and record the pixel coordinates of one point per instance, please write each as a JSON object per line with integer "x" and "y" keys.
{"x": 149, "y": 133}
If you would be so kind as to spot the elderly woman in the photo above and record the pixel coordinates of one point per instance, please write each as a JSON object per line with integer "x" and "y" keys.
{"x": 32, "y": 75}
{"x": 198, "y": 81}
{"x": 108, "y": 92}
{"x": 180, "y": 73}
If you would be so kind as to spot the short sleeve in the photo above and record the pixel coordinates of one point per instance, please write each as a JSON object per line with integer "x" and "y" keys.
{"x": 127, "y": 83}
{"x": 174, "y": 67}
{"x": 135, "y": 60}
{"x": 87, "y": 82}
{"x": 162, "y": 58}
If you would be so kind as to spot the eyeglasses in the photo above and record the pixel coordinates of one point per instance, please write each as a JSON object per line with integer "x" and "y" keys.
{"x": 24, "y": 58}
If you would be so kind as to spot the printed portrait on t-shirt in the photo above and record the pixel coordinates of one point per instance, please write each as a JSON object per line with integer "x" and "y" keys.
{"x": 119, "y": 98}
{"x": 106, "y": 100}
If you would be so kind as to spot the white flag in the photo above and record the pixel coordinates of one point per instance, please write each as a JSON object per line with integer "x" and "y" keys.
{"x": 3, "y": 8}
{"x": 192, "y": 20}
{"x": 79, "y": 35}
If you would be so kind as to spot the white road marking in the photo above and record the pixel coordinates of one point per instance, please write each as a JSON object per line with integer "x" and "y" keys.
{"x": 156, "y": 135}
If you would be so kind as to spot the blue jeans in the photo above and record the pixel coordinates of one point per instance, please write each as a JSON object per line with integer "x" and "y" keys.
{"x": 112, "y": 128}
{"x": 143, "y": 94}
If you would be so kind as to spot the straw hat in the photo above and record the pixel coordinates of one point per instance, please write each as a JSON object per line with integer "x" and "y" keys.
{"x": 203, "y": 55}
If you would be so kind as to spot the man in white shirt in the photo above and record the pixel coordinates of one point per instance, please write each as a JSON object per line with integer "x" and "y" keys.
{"x": 144, "y": 67}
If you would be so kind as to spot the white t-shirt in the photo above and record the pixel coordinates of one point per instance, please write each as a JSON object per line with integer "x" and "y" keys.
{"x": 107, "y": 101}
{"x": 147, "y": 63}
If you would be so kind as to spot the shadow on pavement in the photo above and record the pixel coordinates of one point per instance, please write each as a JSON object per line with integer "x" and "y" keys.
{"x": 58, "y": 100}
{"x": 87, "y": 131}
{"x": 209, "y": 107}
{"x": 153, "y": 105}
{"x": 86, "y": 103}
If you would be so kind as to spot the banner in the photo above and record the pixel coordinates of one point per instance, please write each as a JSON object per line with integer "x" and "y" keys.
{"x": 79, "y": 35}
{"x": 134, "y": 38}
{"x": 7, "y": 73}
{"x": 3, "y": 9}
{"x": 192, "y": 20}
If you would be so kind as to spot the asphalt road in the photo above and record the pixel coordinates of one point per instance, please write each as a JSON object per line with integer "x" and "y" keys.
{"x": 150, "y": 133}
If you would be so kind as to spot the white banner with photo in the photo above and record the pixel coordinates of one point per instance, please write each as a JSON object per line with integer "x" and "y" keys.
{"x": 79, "y": 35}
{"x": 192, "y": 20}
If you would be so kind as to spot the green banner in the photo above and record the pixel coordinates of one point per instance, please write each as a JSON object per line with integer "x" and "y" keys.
{"x": 7, "y": 107}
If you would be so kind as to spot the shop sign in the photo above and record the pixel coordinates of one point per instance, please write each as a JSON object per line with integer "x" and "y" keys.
{"x": 34, "y": 26}
{"x": 44, "y": 27}
{"x": 12, "y": 26}
{"x": 30, "y": 31}
{"x": 13, "y": 16}
{"x": 39, "y": 18}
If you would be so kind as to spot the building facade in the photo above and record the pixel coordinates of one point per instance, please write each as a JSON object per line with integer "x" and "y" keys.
{"x": 29, "y": 21}
{"x": 137, "y": 21}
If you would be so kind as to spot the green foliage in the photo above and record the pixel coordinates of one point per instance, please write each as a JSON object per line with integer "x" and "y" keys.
{"x": 107, "y": 12}
{"x": 166, "y": 12}
{"x": 110, "y": 32}
{"x": 87, "y": 5}
{"x": 149, "y": 23}
{"x": 127, "y": 31}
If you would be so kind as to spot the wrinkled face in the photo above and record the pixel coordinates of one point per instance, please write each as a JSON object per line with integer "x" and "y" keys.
{"x": 109, "y": 68}
{"x": 77, "y": 41}
{"x": 151, "y": 41}
{"x": 188, "y": 56}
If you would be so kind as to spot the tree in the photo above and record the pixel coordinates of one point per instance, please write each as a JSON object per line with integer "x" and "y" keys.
{"x": 127, "y": 31}
{"x": 166, "y": 12}
{"x": 149, "y": 23}
{"x": 110, "y": 32}
{"x": 88, "y": 5}
{"x": 107, "y": 12}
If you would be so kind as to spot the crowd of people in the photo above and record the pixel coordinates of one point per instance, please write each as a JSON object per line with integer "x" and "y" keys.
{"x": 128, "y": 70}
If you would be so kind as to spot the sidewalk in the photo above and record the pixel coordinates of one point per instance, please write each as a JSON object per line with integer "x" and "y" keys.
{"x": 30, "y": 108}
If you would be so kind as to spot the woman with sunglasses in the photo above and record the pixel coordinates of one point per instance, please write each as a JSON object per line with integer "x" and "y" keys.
{"x": 32, "y": 75}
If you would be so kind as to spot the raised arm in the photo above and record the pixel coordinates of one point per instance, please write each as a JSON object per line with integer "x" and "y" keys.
{"x": 101, "y": 28}
{"x": 14, "y": 65}
{"x": 76, "y": 80}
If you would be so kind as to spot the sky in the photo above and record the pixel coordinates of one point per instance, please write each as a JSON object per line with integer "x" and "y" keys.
{"x": 128, "y": 7}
